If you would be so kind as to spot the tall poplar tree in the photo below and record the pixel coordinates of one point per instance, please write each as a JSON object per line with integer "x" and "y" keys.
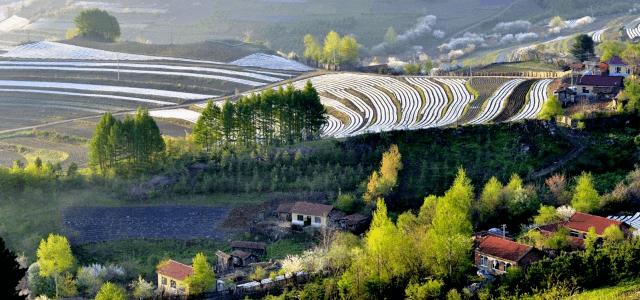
{"x": 207, "y": 131}
{"x": 100, "y": 151}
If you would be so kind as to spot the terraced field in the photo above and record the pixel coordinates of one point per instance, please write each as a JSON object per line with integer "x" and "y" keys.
{"x": 515, "y": 101}
{"x": 485, "y": 86}
{"x": 47, "y": 82}
{"x": 359, "y": 103}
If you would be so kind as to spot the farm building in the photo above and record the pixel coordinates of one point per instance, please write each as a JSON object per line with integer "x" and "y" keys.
{"x": 310, "y": 214}
{"x": 595, "y": 84}
{"x": 617, "y": 67}
{"x": 256, "y": 248}
{"x": 243, "y": 259}
{"x": 579, "y": 225}
{"x": 171, "y": 277}
{"x": 495, "y": 254}
{"x": 284, "y": 211}
{"x": 224, "y": 261}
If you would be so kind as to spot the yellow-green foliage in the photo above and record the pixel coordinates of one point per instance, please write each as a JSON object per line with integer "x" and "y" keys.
{"x": 625, "y": 290}
{"x": 550, "y": 109}
{"x": 472, "y": 90}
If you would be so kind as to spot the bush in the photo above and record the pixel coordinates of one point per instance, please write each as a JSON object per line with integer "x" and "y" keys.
{"x": 412, "y": 69}
{"x": 551, "y": 109}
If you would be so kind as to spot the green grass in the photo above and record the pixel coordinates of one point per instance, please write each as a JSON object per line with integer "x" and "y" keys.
{"x": 628, "y": 289}
{"x": 46, "y": 155}
{"x": 47, "y": 135}
{"x": 297, "y": 244}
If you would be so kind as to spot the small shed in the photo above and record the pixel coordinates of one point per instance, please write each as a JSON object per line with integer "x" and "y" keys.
{"x": 256, "y": 248}
{"x": 243, "y": 259}
{"x": 305, "y": 214}
{"x": 224, "y": 261}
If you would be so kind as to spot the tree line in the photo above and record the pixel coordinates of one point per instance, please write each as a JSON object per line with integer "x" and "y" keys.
{"x": 336, "y": 50}
{"x": 128, "y": 145}
{"x": 269, "y": 118}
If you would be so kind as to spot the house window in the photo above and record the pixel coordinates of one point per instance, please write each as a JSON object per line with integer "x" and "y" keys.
{"x": 506, "y": 266}
{"x": 164, "y": 280}
{"x": 628, "y": 71}
{"x": 484, "y": 261}
{"x": 317, "y": 220}
{"x": 300, "y": 218}
{"x": 618, "y": 70}
{"x": 585, "y": 90}
{"x": 173, "y": 284}
{"x": 495, "y": 265}
{"x": 574, "y": 233}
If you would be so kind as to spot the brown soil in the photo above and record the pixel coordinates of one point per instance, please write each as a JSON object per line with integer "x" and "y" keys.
{"x": 239, "y": 217}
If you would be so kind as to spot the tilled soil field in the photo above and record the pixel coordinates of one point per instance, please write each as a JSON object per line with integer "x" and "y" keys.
{"x": 94, "y": 224}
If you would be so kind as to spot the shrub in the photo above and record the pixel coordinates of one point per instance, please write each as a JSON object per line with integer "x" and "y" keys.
{"x": 97, "y": 23}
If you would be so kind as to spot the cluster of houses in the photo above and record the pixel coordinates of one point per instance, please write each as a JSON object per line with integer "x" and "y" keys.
{"x": 495, "y": 251}
{"x": 595, "y": 79}
{"x": 245, "y": 255}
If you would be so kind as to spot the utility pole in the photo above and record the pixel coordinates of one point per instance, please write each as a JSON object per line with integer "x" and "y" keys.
{"x": 504, "y": 227}
{"x": 171, "y": 29}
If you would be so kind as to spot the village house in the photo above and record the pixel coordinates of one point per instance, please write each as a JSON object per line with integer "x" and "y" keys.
{"x": 617, "y": 67}
{"x": 256, "y": 248}
{"x": 310, "y": 214}
{"x": 579, "y": 225}
{"x": 224, "y": 261}
{"x": 171, "y": 277}
{"x": 596, "y": 84}
{"x": 284, "y": 211}
{"x": 495, "y": 255}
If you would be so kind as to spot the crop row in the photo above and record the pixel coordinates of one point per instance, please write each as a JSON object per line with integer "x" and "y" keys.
{"x": 515, "y": 101}
{"x": 537, "y": 97}
{"x": 495, "y": 104}
{"x": 485, "y": 86}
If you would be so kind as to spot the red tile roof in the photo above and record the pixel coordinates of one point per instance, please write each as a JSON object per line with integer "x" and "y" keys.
{"x": 501, "y": 248}
{"x": 598, "y": 80}
{"x": 176, "y": 270}
{"x": 582, "y": 222}
{"x": 311, "y": 209}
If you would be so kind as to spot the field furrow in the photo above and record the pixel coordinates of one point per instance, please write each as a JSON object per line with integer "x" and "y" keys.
{"x": 537, "y": 97}
{"x": 496, "y": 102}
{"x": 515, "y": 101}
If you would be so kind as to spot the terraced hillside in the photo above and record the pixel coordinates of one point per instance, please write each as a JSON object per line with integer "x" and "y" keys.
{"x": 358, "y": 103}
{"x": 46, "y": 82}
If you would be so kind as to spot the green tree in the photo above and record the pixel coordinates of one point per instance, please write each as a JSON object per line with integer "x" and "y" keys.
{"x": 591, "y": 240}
{"x": 207, "y": 131}
{"x": 546, "y": 215}
{"x": 142, "y": 288}
{"x": 612, "y": 235}
{"x": 631, "y": 55}
{"x": 331, "y": 47}
{"x": 582, "y": 47}
{"x": 383, "y": 181}
{"x": 632, "y": 89}
{"x": 412, "y": 69}
{"x": 550, "y": 109}
{"x": 94, "y": 22}
{"x": 391, "y": 36}
{"x": 489, "y": 198}
{"x": 100, "y": 149}
{"x": 611, "y": 48}
{"x": 312, "y": 49}
{"x": 450, "y": 234}
{"x": 54, "y": 257}
{"x": 431, "y": 289}
{"x": 349, "y": 50}
{"x": 258, "y": 274}
{"x": 203, "y": 278}
{"x": 558, "y": 240}
{"x": 585, "y": 197}
{"x": 12, "y": 273}
{"x": 110, "y": 291}
{"x": 556, "y": 22}
{"x": 228, "y": 121}
{"x": 428, "y": 65}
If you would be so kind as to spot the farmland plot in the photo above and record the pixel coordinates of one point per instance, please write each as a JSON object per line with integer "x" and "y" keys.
{"x": 495, "y": 104}
{"x": 461, "y": 97}
{"x": 436, "y": 100}
{"x": 179, "y": 113}
{"x": 516, "y": 101}
{"x": 485, "y": 86}
{"x": 537, "y": 97}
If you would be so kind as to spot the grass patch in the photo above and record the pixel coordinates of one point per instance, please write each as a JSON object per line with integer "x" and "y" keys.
{"x": 338, "y": 114}
{"x": 48, "y": 135}
{"x": 296, "y": 244}
{"x": 627, "y": 289}
{"x": 31, "y": 154}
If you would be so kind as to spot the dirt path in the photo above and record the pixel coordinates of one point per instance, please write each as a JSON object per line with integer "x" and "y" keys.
{"x": 579, "y": 143}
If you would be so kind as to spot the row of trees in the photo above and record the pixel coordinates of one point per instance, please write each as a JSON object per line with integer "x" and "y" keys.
{"x": 125, "y": 145}
{"x": 336, "y": 50}
{"x": 269, "y": 118}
